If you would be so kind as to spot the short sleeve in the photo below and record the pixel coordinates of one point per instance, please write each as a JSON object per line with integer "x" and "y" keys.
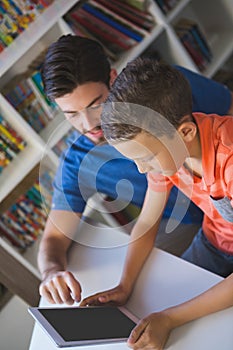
{"x": 67, "y": 189}
{"x": 66, "y": 193}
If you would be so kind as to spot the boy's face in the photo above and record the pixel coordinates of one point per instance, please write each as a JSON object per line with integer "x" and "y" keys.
{"x": 152, "y": 155}
{"x": 82, "y": 108}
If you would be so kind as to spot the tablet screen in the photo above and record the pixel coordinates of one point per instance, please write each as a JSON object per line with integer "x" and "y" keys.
{"x": 87, "y": 324}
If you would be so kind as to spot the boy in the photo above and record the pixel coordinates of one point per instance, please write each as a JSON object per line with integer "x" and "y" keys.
{"x": 193, "y": 151}
{"x": 76, "y": 74}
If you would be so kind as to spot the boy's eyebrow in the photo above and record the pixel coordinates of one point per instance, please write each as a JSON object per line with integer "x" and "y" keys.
{"x": 89, "y": 105}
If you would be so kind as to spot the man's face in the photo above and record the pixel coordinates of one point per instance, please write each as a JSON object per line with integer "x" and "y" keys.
{"x": 82, "y": 109}
{"x": 153, "y": 155}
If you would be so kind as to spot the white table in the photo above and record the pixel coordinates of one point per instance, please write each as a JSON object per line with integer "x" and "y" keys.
{"x": 164, "y": 281}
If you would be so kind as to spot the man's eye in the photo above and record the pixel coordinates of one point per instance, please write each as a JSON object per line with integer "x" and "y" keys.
{"x": 71, "y": 116}
{"x": 94, "y": 107}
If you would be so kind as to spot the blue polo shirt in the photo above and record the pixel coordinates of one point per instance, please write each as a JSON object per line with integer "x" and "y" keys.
{"x": 86, "y": 169}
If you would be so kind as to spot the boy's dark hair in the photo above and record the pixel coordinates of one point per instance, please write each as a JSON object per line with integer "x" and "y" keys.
{"x": 73, "y": 61}
{"x": 147, "y": 86}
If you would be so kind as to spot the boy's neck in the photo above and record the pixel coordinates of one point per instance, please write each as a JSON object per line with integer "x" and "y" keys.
{"x": 194, "y": 162}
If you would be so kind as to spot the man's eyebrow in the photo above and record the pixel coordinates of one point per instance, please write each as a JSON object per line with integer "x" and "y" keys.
{"x": 89, "y": 105}
{"x": 93, "y": 101}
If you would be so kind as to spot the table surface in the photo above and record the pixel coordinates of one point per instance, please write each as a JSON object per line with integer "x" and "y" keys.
{"x": 165, "y": 280}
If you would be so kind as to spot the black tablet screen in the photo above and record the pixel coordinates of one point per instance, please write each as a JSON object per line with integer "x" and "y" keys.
{"x": 89, "y": 323}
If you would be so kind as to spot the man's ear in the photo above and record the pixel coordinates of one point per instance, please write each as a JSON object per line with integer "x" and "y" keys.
{"x": 187, "y": 131}
{"x": 113, "y": 75}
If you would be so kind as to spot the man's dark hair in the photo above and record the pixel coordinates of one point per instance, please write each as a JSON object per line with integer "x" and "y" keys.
{"x": 152, "y": 86}
{"x": 72, "y": 61}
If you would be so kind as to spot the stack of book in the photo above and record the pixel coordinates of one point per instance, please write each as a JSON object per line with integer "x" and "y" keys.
{"x": 166, "y": 5}
{"x": 194, "y": 41}
{"x": 138, "y": 4}
{"x": 26, "y": 94}
{"x": 116, "y": 24}
{"x": 15, "y": 17}
{"x": 11, "y": 143}
{"x": 24, "y": 221}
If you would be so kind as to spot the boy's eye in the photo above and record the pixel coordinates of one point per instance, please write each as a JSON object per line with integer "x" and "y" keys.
{"x": 148, "y": 159}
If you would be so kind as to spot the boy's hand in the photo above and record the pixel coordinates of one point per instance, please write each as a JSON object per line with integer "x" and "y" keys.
{"x": 61, "y": 287}
{"x": 151, "y": 332}
{"x": 116, "y": 296}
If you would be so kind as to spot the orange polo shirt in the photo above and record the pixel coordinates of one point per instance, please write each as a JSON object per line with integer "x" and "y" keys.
{"x": 213, "y": 193}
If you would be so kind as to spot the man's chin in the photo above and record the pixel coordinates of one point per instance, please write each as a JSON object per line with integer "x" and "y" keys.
{"x": 97, "y": 136}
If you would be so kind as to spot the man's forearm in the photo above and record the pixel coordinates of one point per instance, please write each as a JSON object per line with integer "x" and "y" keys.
{"x": 52, "y": 256}
{"x": 57, "y": 238}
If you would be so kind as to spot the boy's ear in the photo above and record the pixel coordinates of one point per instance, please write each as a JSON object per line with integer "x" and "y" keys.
{"x": 113, "y": 75}
{"x": 187, "y": 131}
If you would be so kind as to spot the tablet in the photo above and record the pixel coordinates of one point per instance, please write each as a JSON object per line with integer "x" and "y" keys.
{"x": 75, "y": 326}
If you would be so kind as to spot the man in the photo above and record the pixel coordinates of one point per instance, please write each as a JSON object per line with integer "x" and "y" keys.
{"x": 77, "y": 75}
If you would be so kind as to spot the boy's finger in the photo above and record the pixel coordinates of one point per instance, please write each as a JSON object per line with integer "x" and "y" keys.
{"x": 137, "y": 332}
{"x": 93, "y": 300}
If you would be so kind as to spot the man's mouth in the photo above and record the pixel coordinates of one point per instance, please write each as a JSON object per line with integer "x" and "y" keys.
{"x": 97, "y": 132}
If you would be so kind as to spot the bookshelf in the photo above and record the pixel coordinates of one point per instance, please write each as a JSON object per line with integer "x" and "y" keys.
{"x": 15, "y": 59}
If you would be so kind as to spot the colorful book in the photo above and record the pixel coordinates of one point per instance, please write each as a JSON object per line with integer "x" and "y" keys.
{"x": 113, "y": 20}
{"x": 111, "y": 41}
{"x": 143, "y": 19}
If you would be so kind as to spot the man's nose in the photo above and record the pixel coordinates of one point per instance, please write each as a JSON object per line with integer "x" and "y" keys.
{"x": 89, "y": 120}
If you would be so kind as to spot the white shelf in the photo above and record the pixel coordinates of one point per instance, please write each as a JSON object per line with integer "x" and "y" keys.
{"x": 19, "y": 124}
{"x": 36, "y": 30}
{"x": 216, "y": 28}
{"x": 18, "y": 168}
{"x": 177, "y": 9}
{"x": 222, "y": 49}
{"x": 19, "y": 257}
{"x": 55, "y": 130}
{"x": 137, "y": 50}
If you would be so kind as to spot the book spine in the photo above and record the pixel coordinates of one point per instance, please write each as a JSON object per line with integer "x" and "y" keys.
{"x": 96, "y": 12}
{"x": 130, "y": 14}
{"x": 40, "y": 99}
{"x": 106, "y": 31}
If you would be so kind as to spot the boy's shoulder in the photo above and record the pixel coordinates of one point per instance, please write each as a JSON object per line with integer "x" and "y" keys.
{"x": 214, "y": 122}
{"x": 216, "y": 139}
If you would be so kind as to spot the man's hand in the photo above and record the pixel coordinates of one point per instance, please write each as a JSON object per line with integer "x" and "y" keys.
{"x": 116, "y": 296}
{"x": 61, "y": 287}
{"x": 151, "y": 332}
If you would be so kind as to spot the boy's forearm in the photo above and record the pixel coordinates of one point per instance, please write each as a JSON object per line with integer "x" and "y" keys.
{"x": 215, "y": 299}
{"x": 138, "y": 251}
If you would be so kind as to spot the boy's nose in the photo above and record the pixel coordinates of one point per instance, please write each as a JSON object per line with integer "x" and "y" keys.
{"x": 142, "y": 167}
